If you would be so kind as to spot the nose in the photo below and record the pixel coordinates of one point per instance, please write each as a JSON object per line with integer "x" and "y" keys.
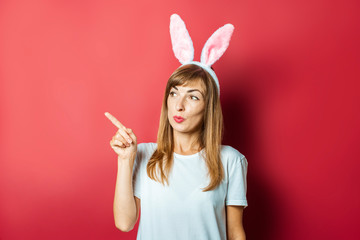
{"x": 180, "y": 105}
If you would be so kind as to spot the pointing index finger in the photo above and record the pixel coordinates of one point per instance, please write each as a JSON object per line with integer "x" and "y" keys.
{"x": 114, "y": 120}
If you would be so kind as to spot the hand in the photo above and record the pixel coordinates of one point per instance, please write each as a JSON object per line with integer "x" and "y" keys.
{"x": 124, "y": 142}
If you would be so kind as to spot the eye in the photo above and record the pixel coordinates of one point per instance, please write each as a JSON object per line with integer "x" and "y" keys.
{"x": 194, "y": 97}
{"x": 172, "y": 93}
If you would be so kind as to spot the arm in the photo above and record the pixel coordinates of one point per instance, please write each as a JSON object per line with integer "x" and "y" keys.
{"x": 234, "y": 223}
{"x": 126, "y": 205}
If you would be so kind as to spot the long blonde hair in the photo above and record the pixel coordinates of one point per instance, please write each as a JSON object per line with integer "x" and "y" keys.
{"x": 210, "y": 137}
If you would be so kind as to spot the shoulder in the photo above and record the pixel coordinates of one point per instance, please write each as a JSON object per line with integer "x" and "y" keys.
{"x": 147, "y": 145}
{"x": 227, "y": 150}
{"x": 230, "y": 154}
{"x": 143, "y": 153}
{"x": 146, "y": 148}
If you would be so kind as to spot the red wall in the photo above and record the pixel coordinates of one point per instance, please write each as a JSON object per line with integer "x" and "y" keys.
{"x": 289, "y": 91}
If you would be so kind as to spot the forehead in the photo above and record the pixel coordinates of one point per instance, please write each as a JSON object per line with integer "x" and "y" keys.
{"x": 195, "y": 84}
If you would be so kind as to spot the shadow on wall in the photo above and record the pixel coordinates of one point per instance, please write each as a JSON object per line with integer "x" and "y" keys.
{"x": 265, "y": 215}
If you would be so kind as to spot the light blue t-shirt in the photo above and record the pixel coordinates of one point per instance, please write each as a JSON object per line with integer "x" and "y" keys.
{"x": 181, "y": 210}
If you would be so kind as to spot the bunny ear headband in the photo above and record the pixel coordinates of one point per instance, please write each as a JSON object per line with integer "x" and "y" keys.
{"x": 213, "y": 49}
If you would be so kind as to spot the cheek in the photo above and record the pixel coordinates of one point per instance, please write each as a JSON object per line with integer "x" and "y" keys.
{"x": 169, "y": 103}
{"x": 198, "y": 111}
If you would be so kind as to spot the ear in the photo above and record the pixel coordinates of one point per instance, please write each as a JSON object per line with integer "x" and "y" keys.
{"x": 181, "y": 42}
{"x": 216, "y": 45}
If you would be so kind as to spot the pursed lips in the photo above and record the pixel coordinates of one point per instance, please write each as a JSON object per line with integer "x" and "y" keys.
{"x": 178, "y": 119}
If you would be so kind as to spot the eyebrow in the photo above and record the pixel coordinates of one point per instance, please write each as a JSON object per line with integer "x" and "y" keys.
{"x": 191, "y": 90}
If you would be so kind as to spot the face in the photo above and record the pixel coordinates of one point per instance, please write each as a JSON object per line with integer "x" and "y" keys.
{"x": 186, "y": 104}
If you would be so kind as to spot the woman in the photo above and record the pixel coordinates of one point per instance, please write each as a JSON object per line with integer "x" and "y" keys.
{"x": 187, "y": 185}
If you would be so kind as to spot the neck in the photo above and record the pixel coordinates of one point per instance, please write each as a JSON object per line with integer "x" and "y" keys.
{"x": 185, "y": 143}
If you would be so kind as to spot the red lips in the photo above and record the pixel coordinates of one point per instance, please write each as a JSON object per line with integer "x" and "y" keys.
{"x": 178, "y": 119}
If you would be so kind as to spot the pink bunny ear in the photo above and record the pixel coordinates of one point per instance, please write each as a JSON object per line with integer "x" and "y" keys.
{"x": 216, "y": 45}
{"x": 181, "y": 42}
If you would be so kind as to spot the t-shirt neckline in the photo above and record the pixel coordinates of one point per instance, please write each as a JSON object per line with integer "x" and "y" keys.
{"x": 188, "y": 156}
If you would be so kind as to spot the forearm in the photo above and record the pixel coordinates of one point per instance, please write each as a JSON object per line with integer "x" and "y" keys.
{"x": 124, "y": 201}
{"x": 241, "y": 236}
{"x": 238, "y": 234}
{"x": 238, "y": 238}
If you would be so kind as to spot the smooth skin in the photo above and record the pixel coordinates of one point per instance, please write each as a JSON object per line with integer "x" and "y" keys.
{"x": 186, "y": 101}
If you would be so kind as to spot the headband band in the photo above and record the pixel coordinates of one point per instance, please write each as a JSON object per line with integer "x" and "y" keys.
{"x": 206, "y": 68}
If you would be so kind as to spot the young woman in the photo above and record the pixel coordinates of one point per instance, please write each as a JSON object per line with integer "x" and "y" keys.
{"x": 186, "y": 185}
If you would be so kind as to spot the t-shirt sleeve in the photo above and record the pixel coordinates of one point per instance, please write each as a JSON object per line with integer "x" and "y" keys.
{"x": 137, "y": 170}
{"x": 237, "y": 186}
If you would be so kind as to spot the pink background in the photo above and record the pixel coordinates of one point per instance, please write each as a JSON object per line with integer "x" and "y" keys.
{"x": 289, "y": 90}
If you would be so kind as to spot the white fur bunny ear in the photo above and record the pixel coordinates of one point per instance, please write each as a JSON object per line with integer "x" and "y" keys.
{"x": 181, "y": 42}
{"x": 216, "y": 45}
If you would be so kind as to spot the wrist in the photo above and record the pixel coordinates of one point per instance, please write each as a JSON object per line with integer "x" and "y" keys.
{"x": 128, "y": 161}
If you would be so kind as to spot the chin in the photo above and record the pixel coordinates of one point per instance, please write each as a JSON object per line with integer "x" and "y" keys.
{"x": 179, "y": 128}
{"x": 183, "y": 129}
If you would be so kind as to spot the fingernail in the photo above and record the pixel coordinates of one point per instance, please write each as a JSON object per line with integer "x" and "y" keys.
{"x": 129, "y": 140}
